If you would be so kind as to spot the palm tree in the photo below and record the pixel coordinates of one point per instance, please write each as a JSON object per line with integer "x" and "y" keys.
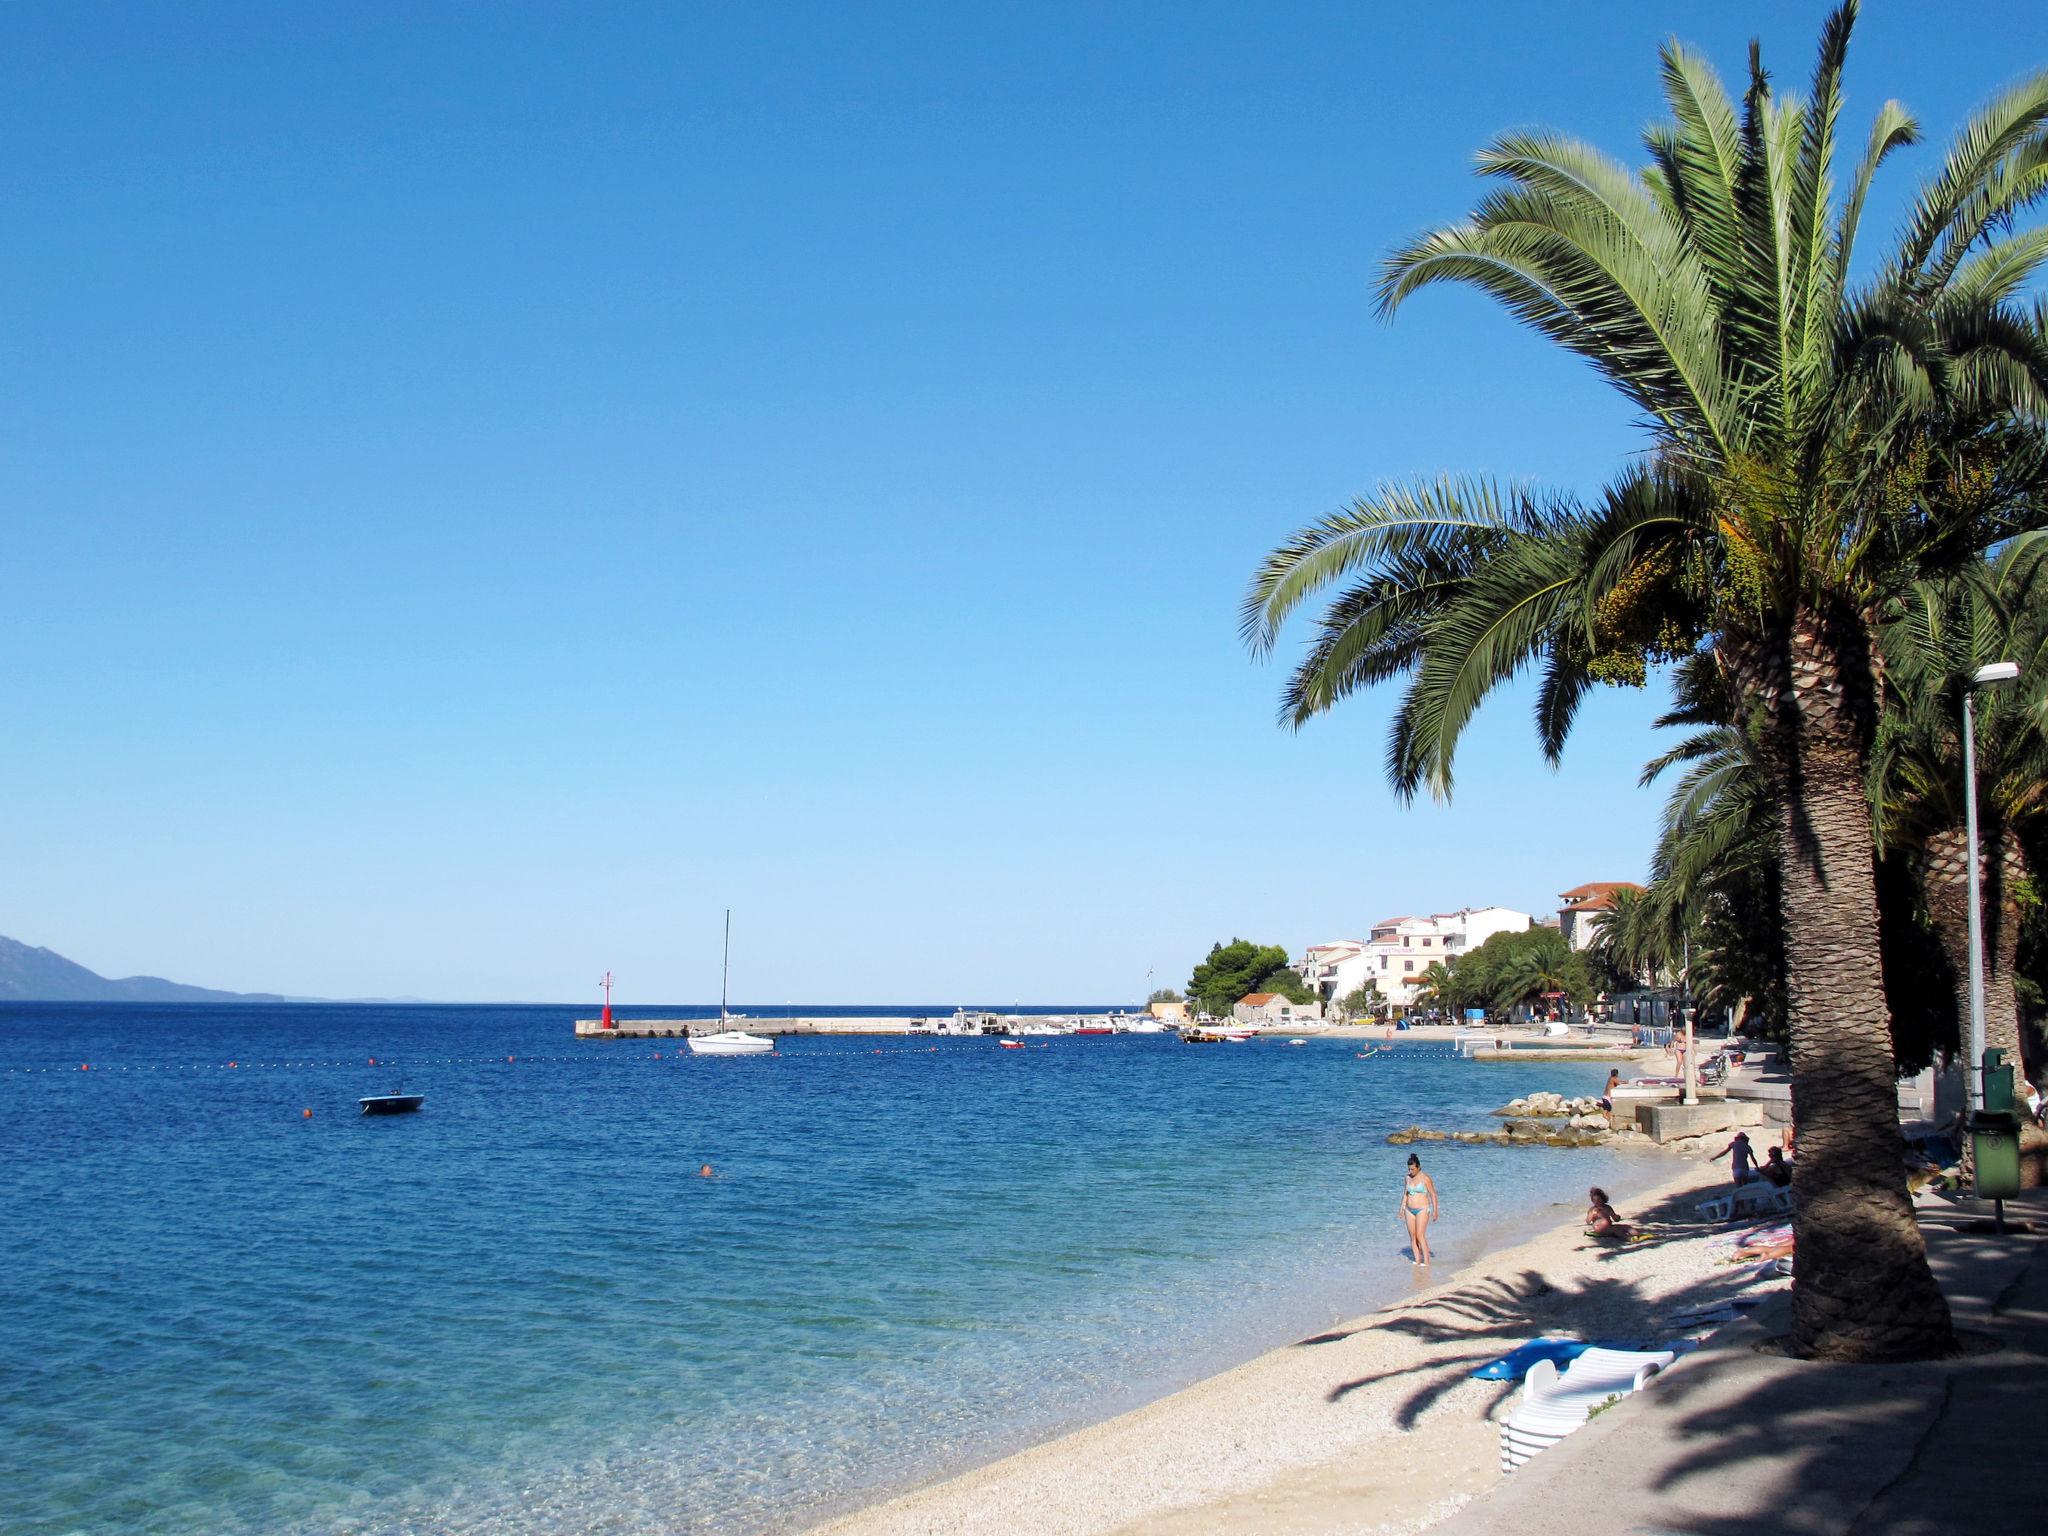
{"x": 1435, "y": 987}
{"x": 1714, "y": 897}
{"x": 1635, "y": 942}
{"x": 1815, "y": 448}
{"x": 1997, "y": 612}
{"x": 1534, "y": 977}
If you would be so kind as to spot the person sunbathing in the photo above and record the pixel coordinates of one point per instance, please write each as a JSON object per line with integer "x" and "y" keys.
{"x": 1602, "y": 1221}
{"x": 1773, "y": 1242}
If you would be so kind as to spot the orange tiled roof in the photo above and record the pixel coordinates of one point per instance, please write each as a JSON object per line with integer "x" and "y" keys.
{"x": 1597, "y": 897}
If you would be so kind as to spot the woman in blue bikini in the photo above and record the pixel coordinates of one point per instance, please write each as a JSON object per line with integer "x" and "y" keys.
{"x": 1418, "y": 1208}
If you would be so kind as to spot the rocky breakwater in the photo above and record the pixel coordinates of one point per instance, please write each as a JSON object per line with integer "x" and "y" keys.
{"x": 1539, "y": 1120}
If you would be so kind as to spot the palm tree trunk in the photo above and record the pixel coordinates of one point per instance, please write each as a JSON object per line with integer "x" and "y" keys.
{"x": 2005, "y": 876}
{"x": 1862, "y": 1289}
{"x": 1945, "y": 876}
{"x": 2001, "y": 998}
{"x": 1945, "y": 882}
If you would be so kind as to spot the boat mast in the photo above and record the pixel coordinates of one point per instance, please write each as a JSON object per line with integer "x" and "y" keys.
{"x": 725, "y": 968}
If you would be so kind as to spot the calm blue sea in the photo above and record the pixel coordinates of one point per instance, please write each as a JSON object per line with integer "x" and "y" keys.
{"x": 521, "y": 1310}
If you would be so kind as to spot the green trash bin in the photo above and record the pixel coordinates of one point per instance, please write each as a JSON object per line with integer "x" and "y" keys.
{"x": 1997, "y": 1098}
{"x": 1995, "y": 1132}
{"x": 1995, "y": 1144}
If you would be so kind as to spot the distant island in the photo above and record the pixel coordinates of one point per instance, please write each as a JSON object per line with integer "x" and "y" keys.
{"x": 32, "y": 975}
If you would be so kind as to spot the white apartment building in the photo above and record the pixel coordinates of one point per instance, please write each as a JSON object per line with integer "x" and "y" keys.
{"x": 1401, "y": 949}
{"x": 1334, "y": 971}
{"x": 1469, "y": 927}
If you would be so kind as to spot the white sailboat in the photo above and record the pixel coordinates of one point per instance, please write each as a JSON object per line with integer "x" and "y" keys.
{"x": 728, "y": 1042}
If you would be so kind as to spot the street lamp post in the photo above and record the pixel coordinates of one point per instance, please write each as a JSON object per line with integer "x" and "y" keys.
{"x": 1996, "y": 672}
{"x": 1689, "y": 1091}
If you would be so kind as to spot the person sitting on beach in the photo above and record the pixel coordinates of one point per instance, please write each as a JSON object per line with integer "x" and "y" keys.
{"x": 1776, "y": 1170}
{"x": 1418, "y": 1207}
{"x": 1774, "y": 1242}
{"x": 1740, "y": 1158}
{"x": 1602, "y": 1220}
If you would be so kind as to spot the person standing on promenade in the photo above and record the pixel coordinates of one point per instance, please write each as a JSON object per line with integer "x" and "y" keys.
{"x": 1418, "y": 1208}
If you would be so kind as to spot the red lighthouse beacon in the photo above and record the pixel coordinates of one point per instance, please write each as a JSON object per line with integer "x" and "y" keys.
{"x": 604, "y": 1020}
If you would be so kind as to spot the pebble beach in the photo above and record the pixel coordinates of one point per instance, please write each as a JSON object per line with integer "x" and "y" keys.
{"x": 1374, "y": 1425}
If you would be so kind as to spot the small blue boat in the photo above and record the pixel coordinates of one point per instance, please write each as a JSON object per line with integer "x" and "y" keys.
{"x": 392, "y": 1103}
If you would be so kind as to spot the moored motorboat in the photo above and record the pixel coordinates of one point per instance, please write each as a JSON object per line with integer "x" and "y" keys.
{"x": 392, "y": 1103}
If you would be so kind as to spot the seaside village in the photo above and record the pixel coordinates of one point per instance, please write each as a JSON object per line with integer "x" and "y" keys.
{"x": 1677, "y": 1076}
{"x": 1392, "y": 966}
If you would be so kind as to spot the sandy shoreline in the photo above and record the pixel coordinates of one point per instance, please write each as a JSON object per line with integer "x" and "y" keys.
{"x": 1374, "y": 1425}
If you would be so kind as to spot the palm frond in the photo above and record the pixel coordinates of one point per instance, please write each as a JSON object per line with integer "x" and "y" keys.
{"x": 1396, "y": 525}
{"x": 1953, "y": 202}
{"x": 1893, "y": 128}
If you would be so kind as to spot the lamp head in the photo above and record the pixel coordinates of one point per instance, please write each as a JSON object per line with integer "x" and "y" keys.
{"x": 1996, "y": 672}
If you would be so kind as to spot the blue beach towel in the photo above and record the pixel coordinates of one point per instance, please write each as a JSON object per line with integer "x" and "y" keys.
{"x": 1514, "y": 1365}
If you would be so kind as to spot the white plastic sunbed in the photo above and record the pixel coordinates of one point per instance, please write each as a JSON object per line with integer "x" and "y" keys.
{"x": 1758, "y": 1195}
{"x": 1554, "y": 1402}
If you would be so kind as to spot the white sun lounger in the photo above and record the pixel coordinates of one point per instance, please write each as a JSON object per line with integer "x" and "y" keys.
{"x": 1759, "y": 1195}
{"x": 1554, "y": 1402}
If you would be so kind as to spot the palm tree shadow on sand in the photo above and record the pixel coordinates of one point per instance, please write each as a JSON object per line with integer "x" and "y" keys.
{"x": 1747, "y": 1439}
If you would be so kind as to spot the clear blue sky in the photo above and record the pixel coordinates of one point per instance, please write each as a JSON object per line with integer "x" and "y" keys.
{"x": 488, "y": 487}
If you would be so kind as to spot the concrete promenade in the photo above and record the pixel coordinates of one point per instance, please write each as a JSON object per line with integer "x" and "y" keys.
{"x": 1730, "y": 1442}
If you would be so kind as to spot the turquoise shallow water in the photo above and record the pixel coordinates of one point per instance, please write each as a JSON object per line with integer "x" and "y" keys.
{"x": 520, "y": 1311}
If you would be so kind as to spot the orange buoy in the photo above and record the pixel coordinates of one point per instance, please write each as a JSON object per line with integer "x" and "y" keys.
{"x": 232, "y": 1063}
{"x": 85, "y": 1066}
{"x": 508, "y": 1058}
{"x": 305, "y": 1114}
{"x": 373, "y": 1061}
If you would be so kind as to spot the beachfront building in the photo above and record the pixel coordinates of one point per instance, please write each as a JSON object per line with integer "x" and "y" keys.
{"x": 1582, "y": 909}
{"x": 1401, "y": 950}
{"x": 1266, "y": 1009}
{"x": 1404, "y": 948}
{"x": 1334, "y": 971}
{"x": 1469, "y": 927}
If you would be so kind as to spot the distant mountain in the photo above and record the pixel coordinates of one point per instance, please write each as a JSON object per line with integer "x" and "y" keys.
{"x": 32, "y": 975}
